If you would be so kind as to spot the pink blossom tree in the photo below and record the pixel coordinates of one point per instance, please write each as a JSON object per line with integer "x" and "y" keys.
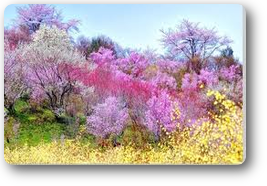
{"x": 14, "y": 85}
{"x": 35, "y": 15}
{"x": 193, "y": 100}
{"x": 134, "y": 65}
{"x": 159, "y": 113}
{"x": 191, "y": 41}
{"x": 109, "y": 117}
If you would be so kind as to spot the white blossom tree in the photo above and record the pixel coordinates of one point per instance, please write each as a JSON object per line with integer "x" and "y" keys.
{"x": 50, "y": 58}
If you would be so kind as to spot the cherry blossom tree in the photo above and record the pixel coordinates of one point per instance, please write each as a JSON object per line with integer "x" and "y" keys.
{"x": 134, "y": 65}
{"x": 191, "y": 41}
{"x": 14, "y": 85}
{"x": 35, "y": 15}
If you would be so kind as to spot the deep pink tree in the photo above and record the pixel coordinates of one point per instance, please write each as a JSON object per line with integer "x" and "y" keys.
{"x": 16, "y": 36}
{"x": 112, "y": 82}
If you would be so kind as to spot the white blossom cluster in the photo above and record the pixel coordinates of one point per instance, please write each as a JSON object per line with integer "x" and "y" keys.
{"x": 51, "y": 45}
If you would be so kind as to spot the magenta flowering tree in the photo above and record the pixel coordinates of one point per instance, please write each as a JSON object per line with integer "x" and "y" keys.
{"x": 169, "y": 66}
{"x": 159, "y": 113}
{"x": 35, "y": 15}
{"x": 109, "y": 117}
{"x": 134, "y": 65}
{"x": 192, "y": 98}
{"x": 103, "y": 56}
{"x": 164, "y": 81}
{"x": 208, "y": 78}
{"x": 108, "y": 81}
{"x": 232, "y": 83}
{"x": 191, "y": 41}
{"x": 231, "y": 73}
{"x": 49, "y": 59}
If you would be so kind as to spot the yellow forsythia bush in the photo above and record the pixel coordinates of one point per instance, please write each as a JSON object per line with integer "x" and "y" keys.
{"x": 215, "y": 140}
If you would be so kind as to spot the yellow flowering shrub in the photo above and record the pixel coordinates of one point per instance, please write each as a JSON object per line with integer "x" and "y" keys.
{"x": 214, "y": 140}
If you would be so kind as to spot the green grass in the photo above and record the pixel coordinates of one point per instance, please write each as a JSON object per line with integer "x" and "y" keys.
{"x": 32, "y": 134}
{"x": 40, "y": 126}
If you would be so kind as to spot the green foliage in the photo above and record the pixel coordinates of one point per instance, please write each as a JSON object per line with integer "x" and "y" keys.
{"x": 227, "y": 52}
{"x": 72, "y": 129}
{"x": 39, "y": 117}
{"x": 101, "y": 41}
{"x": 25, "y": 113}
{"x": 47, "y": 115}
{"x": 21, "y": 106}
{"x": 65, "y": 119}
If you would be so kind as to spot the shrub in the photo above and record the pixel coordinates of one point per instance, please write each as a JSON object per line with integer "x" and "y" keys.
{"x": 159, "y": 113}
{"x": 164, "y": 81}
{"x": 109, "y": 117}
{"x": 21, "y": 106}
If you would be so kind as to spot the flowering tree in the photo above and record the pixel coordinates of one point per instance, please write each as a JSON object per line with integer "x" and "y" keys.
{"x": 159, "y": 113}
{"x": 134, "y": 65}
{"x": 232, "y": 83}
{"x": 189, "y": 40}
{"x": 35, "y": 15}
{"x": 233, "y": 73}
{"x": 109, "y": 117}
{"x": 169, "y": 66}
{"x": 13, "y": 76}
{"x": 103, "y": 56}
{"x": 49, "y": 59}
{"x": 193, "y": 101}
{"x": 16, "y": 36}
{"x": 164, "y": 81}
